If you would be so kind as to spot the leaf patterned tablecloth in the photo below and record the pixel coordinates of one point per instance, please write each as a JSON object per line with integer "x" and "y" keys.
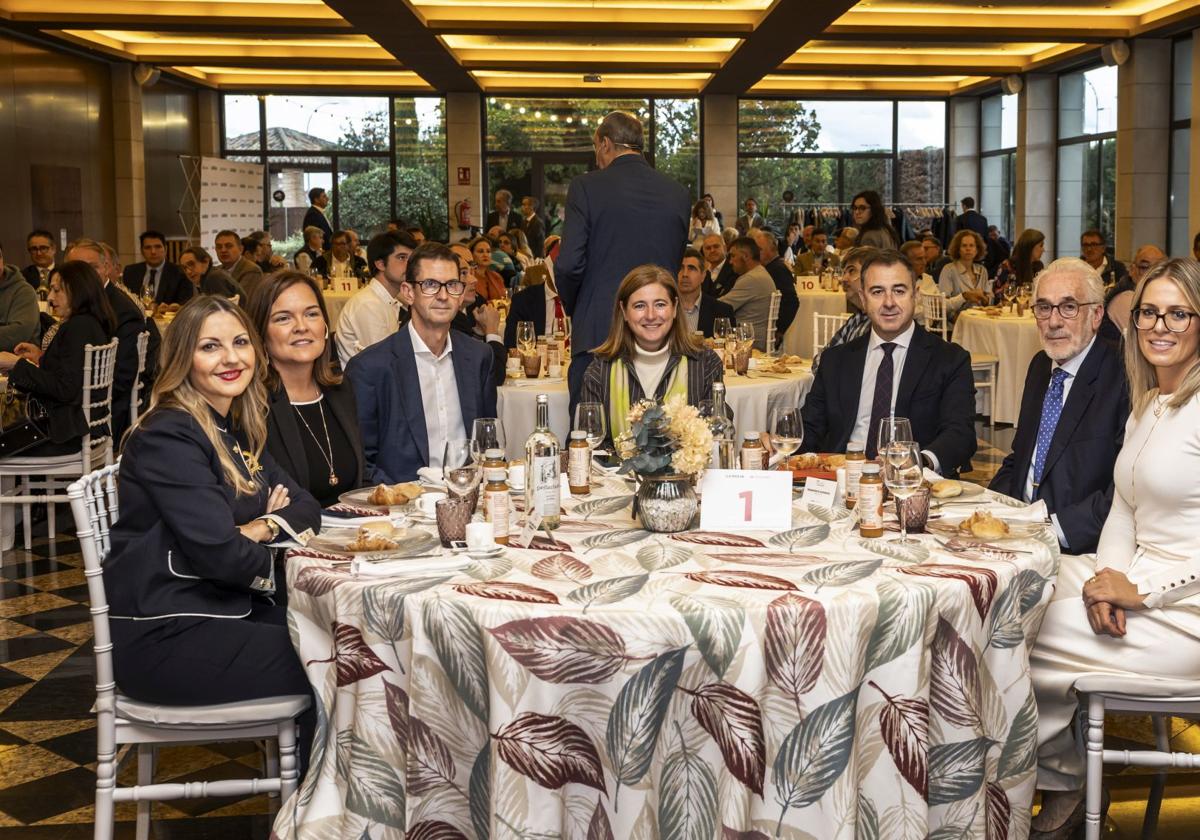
{"x": 612, "y": 683}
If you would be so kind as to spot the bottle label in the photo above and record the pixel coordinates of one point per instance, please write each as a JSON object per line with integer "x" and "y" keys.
{"x": 578, "y": 466}
{"x": 752, "y": 457}
{"x": 853, "y": 474}
{"x": 495, "y": 510}
{"x": 870, "y": 505}
{"x": 546, "y": 487}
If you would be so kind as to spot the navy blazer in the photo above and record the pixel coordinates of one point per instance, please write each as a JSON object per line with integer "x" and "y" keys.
{"x": 529, "y": 304}
{"x": 173, "y": 285}
{"x": 390, "y": 413}
{"x": 1077, "y": 479}
{"x": 724, "y": 282}
{"x": 617, "y": 218}
{"x": 936, "y": 394}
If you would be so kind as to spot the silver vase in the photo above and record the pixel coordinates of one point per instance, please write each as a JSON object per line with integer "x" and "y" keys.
{"x": 666, "y": 503}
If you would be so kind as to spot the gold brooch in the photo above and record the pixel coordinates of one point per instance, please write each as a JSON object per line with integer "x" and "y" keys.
{"x": 253, "y": 467}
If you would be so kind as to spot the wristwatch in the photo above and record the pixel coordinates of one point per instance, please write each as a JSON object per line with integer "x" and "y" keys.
{"x": 272, "y": 526}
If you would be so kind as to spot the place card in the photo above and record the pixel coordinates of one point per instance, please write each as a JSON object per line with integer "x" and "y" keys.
{"x": 528, "y": 532}
{"x": 746, "y": 500}
{"x": 821, "y": 492}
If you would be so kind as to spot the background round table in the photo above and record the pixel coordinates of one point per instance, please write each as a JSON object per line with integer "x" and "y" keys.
{"x": 1012, "y": 339}
{"x": 334, "y": 301}
{"x": 751, "y": 398}
{"x": 798, "y": 340}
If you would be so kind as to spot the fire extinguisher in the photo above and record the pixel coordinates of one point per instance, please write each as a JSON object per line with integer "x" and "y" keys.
{"x": 462, "y": 214}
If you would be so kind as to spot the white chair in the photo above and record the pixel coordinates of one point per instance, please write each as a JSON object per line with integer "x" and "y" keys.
{"x": 135, "y": 396}
{"x": 121, "y": 720}
{"x": 983, "y": 365}
{"x": 772, "y": 319}
{"x": 824, "y": 328}
{"x": 934, "y": 308}
{"x": 1140, "y": 696}
{"x": 21, "y": 475}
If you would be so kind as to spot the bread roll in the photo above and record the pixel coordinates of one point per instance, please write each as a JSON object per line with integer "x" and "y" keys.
{"x": 946, "y": 489}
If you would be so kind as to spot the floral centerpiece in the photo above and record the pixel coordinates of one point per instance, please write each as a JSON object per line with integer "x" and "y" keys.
{"x": 665, "y": 446}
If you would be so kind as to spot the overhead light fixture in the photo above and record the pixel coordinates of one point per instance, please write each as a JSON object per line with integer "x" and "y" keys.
{"x": 1115, "y": 53}
{"x": 1012, "y": 84}
{"x": 145, "y": 75}
{"x": 592, "y": 78}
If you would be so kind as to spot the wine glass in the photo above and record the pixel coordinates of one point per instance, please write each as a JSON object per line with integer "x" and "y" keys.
{"x": 590, "y": 417}
{"x": 893, "y": 429}
{"x": 461, "y": 467}
{"x": 526, "y": 337}
{"x": 786, "y": 428}
{"x": 903, "y": 475}
{"x": 1010, "y": 294}
{"x": 745, "y": 334}
{"x": 721, "y": 329}
{"x": 1024, "y": 293}
{"x": 488, "y": 433}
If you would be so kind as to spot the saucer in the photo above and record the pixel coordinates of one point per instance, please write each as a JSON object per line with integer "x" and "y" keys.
{"x": 480, "y": 554}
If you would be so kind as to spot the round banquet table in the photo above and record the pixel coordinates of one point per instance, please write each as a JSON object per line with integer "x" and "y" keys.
{"x": 751, "y": 397}
{"x": 334, "y": 302}
{"x": 798, "y": 340}
{"x": 609, "y": 682}
{"x": 1014, "y": 341}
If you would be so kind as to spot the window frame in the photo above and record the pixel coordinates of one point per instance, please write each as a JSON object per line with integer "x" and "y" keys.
{"x": 1060, "y": 143}
{"x": 1010, "y": 195}
{"x": 1175, "y": 124}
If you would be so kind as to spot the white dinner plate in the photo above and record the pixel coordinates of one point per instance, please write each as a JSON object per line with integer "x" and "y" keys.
{"x": 949, "y": 528}
{"x": 416, "y": 542}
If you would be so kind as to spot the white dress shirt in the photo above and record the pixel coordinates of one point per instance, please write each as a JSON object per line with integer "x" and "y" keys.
{"x": 550, "y": 298}
{"x": 866, "y": 395}
{"x": 370, "y": 316}
{"x": 155, "y": 271}
{"x": 439, "y": 397}
{"x": 714, "y": 272}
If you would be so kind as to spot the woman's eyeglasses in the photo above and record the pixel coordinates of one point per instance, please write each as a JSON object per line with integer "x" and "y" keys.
{"x": 1175, "y": 320}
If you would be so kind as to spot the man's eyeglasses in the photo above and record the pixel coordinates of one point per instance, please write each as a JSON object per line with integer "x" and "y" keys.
{"x": 1175, "y": 320}
{"x": 1091, "y": 244}
{"x": 1068, "y": 309}
{"x": 431, "y": 288}
{"x": 37, "y": 249}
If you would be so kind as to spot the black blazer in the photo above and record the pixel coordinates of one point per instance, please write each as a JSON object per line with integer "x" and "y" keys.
{"x": 32, "y": 276}
{"x": 597, "y": 249}
{"x": 710, "y": 310}
{"x": 464, "y": 322}
{"x": 1077, "y": 480}
{"x": 173, "y": 285}
{"x": 284, "y": 435}
{"x": 529, "y": 304}
{"x": 726, "y": 277}
{"x": 789, "y": 302}
{"x": 315, "y": 218}
{"x": 936, "y": 393}
{"x": 512, "y": 220}
{"x": 58, "y": 377}
{"x": 130, "y": 324}
{"x": 176, "y": 549}
{"x": 973, "y": 220}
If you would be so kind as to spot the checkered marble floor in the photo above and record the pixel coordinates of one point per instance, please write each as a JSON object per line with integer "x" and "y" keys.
{"x": 48, "y": 737}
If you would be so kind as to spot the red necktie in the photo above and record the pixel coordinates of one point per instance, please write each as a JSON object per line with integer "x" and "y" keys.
{"x": 558, "y": 308}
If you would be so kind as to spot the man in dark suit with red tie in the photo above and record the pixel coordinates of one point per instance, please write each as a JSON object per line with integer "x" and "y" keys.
{"x": 895, "y": 369}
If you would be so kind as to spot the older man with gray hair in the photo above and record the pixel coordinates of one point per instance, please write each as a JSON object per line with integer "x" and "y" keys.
{"x": 1073, "y": 409}
{"x": 1119, "y": 299}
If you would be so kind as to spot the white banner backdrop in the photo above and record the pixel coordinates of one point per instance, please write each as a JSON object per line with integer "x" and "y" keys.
{"x": 231, "y": 198}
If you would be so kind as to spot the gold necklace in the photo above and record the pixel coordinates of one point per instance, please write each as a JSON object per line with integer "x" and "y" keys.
{"x": 333, "y": 479}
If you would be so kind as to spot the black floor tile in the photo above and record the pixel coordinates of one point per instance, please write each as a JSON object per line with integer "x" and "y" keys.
{"x": 64, "y": 544}
{"x": 53, "y": 619}
{"x": 31, "y": 568}
{"x": 24, "y": 647}
{"x": 57, "y": 699}
{"x": 74, "y": 593}
{"x": 79, "y": 747}
{"x": 12, "y": 589}
{"x": 8, "y": 678}
{"x": 49, "y": 796}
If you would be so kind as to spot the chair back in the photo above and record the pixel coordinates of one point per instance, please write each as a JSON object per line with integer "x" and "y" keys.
{"x": 94, "y": 504}
{"x": 934, "y": 308}
{"x": 99, "y": 368}
{"x": 824, "y": 328}
{"x": 772, "y": 318}
{"x": 139, "y": 384}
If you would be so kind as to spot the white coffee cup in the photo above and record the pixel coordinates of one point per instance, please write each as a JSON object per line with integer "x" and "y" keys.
{"x": 516, "y": 476}
{"x": 554, "y": 371}
{"x": 480, "y": 536}
{"x": 426, "y": 502}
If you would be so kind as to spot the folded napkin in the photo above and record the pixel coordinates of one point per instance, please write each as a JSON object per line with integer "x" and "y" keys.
{"x": 343, "y": 521}
{"x": 432, "y": 476}
{"x": 409, "y": 567}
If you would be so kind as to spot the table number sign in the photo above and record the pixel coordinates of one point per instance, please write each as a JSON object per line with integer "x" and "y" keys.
{"x": 808, "y": 285}
{"x": 746, "y": 500}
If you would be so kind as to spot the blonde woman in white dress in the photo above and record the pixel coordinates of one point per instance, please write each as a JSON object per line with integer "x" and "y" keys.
{"x": 1133, "y": 608}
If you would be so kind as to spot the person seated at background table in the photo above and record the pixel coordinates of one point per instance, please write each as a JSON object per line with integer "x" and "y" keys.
{"x": 650, "y": 352}
{"x": 1073, "y": 409}
{"x": 232, "y": 257}
{"x": 819, "y": 258}
{"x": 504, "y": 241}
{"x": 750, "y": 297}
{"x": 935, "y": 260}
{"x": 208, "y": 279}
{"x": 312, "y": 424}
{"x": 1118, "y": 298}
{"x": 1140, "y": 592}
{"x": 540, "y": 304}
{"x": 998, "y": 250}
{"x": 191, "y": 573}
{"x": 314, "y": 238}
{"x": 421, "y": 386}
{"x": 699, "y": 310}
{"x": 263, "y": 253}
{"x": 1022, "y": 265}
{"x": 964, "y": 281}
{"x": 914, "y": 252}
{"x": 858, "y": 323}
{"x": 520, "y": 243}
{"x": 489, "y": 285}
{"x": 1093, "y": 250}
{"x": 374, "y": 312}
{"x": 42, "y": 250}
{"x": 340, "y": 261}
{"x": 163, "y": 280}
{"x": 846, "y": 239}
{"x": 896, "y": 369}
{"x": 781, "y": 276}
{"x": 719, "y": 275}
{"x": 476, "y": 317}
{"x": 871, "y": 219}
{"x": 703, "y": 222}
{"x": 20, "y": 317}
{"x": 795, "y": 242}
{"x": 55, "y": 375}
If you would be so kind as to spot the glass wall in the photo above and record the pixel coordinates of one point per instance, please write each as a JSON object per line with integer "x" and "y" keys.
{"x": 1087, "y": 160}
{"x": 998, "y": 162}
{"x": 379, "y": 157}
{"x": 825, "y": 151}
{"x": 1179, "y": 237}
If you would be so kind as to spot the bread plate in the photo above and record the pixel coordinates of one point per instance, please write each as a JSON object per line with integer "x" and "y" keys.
{"x": 1016, "y": 530}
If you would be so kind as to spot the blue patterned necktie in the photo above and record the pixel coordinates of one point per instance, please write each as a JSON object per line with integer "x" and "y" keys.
{"x": 1051, "y": 411}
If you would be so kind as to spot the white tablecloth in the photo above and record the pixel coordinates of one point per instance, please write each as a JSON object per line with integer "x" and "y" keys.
{"x": 751, "y": 398}
{"x": 798, "y": 340}
{"x": 1014, "y": 340}
{"x": 334, "y": 301}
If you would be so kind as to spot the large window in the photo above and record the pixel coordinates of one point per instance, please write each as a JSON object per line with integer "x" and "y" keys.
{"x": 825, "y": 151}
{"x": 998, "y": 162}
{"x": 378, "y": 157}
{"x": 1087, "y": 155}
{"x": 1179, "y": 237}
{"x": 535, "y": 147}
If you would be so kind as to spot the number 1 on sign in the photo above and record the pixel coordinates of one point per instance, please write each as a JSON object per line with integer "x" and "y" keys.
{"x": 747, "y": 496}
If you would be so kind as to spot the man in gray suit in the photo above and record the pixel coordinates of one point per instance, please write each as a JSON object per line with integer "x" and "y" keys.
{"x": 622, "y": 215}
{"x": 245, "y": 272}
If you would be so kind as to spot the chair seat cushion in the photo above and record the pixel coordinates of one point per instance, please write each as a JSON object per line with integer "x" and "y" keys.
{"x": 246, "y": 712}
{"x": 1137, "y": 686}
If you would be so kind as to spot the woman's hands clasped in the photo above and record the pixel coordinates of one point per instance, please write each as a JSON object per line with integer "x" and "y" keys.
{"x": 1106, "y": 596}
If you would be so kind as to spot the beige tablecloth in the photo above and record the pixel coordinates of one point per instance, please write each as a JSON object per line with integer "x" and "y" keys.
{"x": 616, "y": 683}
{"x": 751, "y": 398}
{"x": 798, "y": 340}
{"x": 1014, "y": 340}
{"x": 334, "y": 302}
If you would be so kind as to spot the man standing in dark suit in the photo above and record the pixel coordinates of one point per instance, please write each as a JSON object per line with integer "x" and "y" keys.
{"x": 421, "y": 386}
{"x": 719, "y": 275}
{"x": 972, "y": 219}
{"x": 699, "y": 309}
{"x": 621, "y": 216}
{"x": 895, "y": 369}
{"x": 164, "y": 280}
{"x": 534, "y": 227}
{"x": 504, "y": 215}
{"x": 315, "y": 215}
{"x": 40, "y": 244}
{"x": 1073, "y": 409}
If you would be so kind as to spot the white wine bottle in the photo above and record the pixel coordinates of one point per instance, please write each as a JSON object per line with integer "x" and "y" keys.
{"x": 543, "y": 489}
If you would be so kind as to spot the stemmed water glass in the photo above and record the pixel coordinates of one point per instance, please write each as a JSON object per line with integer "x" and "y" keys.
{"x": 488, "y": 433}
{"x": 590, "y": 418}
{"x": 721, "y": 329}
{"x": 786, "y": 428}
{"x": 893, "y": 429}
{"x": 903, "y": 475}
{"x": 461, "y": 467}
{"x": 526, "y": 337}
